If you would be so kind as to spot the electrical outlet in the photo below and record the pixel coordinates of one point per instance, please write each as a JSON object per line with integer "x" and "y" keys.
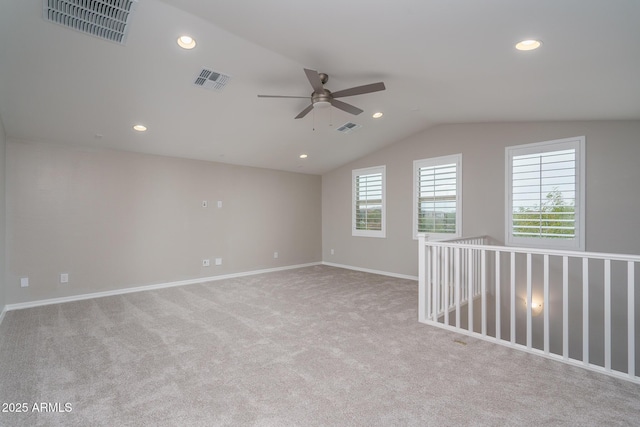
{"x": 64, "y": 278}
{"x": 275, "y": 254}
{"x": 206, "y": 263}
{"x": 332, "y": 252}
{"x": 219, "y": 203}
{"x": 24, "y": 282}
{"x": 205, "y": 204}
{"x": 218, "y": 261}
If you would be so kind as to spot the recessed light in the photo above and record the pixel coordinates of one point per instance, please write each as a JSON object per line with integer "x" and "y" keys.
{"x": 377, "y": 115}
{"x": 140, "y": 128}
{"x": 303, "y": 156}
{"x": 186, "y": 42}
{"x": 528, "y": 44}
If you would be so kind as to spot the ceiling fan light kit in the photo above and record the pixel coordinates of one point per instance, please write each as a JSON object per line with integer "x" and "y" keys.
{"x": 324, "y": 98}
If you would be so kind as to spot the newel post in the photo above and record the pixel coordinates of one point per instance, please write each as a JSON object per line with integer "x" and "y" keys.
{"x": 422, "y": 278}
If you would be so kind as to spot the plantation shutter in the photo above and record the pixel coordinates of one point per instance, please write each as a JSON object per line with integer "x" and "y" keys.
{"x": 437, "y": 198}
{"x": 544, "y": 195}
{"x": 368, "y": 202}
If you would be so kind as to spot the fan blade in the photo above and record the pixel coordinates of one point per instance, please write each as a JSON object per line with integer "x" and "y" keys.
{"x": 314, "y": 79}
{"x": 359, "y": 90}
{"x": 282, "y": 96}
{"x": 346, "y": 107}
{"x": 304, "y": 112}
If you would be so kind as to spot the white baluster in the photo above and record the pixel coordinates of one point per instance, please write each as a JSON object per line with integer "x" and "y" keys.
{"x": 498, "y": 320}
{"x": 446, "y": 286}
{"x": 483, "y": 292}
{"x": 529, "y": 302}
{"x": 513, "y": 297}
{"x": 607, "y": 314}
{"x": 585, "y": 310}
{"x": 631, "y": 343}
{"x": 436, "y": 283}
{"x": 545, "y": 303}
{"x": 565, "y": 308}
{"x": 457, "y": 287}
{"x": 470, "y": 291}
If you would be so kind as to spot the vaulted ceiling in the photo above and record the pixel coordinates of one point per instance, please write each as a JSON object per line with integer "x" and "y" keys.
{"x": 441, "y": 62}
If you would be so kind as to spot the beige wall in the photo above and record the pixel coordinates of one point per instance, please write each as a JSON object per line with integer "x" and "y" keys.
{"x": 115, "y": 219}
{"x": 2, "y": 216}
{"x": 612, "y": 199}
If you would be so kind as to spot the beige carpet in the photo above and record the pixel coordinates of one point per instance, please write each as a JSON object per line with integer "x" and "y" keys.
{"x": 307, "y": 347}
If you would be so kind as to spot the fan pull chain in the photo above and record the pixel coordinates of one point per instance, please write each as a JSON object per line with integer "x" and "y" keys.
{"x": 314, "y": 119}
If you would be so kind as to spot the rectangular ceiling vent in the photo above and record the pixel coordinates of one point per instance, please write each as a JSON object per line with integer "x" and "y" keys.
{"x": 348, "y": 127}
{"x": 106, "y": 19}
{"x": 210, "y": 79}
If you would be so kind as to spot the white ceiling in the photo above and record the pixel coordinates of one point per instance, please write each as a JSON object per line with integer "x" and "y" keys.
{"x": 442, "y": 62}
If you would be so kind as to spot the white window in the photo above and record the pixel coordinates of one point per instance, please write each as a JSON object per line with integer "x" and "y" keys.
{"x": 368, "y": 202}
{"x": 437, "y": 201}
{"x": 545, "y": 194}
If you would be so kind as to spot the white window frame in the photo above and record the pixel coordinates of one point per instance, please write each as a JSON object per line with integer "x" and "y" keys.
{"x": 368, "y": 171}
{"x": 438, "y": 161}
{"x": 577, "y": 243}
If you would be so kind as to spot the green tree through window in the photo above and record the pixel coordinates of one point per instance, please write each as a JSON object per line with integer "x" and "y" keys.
{"x": 553, "y": 218}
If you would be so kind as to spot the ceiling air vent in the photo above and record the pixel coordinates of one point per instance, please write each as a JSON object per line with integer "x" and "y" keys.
{"x": 106, "y": 19}
{"x": 210, "y": 79}
{"x": 348, "y": 127}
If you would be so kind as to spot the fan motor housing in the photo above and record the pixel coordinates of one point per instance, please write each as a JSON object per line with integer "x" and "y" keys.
{"x": 321, "y": 97}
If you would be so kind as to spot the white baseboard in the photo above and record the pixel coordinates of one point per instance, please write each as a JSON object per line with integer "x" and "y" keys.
{"x": 367, "y": 270}
{"x": 80, "y": 297}
{"x": 2, "y": 313}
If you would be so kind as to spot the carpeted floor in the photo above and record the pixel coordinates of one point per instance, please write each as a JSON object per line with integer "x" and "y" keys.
{"x": 307, "y": 347}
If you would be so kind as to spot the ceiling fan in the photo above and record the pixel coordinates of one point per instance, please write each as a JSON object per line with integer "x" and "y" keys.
{"x": 321, "y": 97}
